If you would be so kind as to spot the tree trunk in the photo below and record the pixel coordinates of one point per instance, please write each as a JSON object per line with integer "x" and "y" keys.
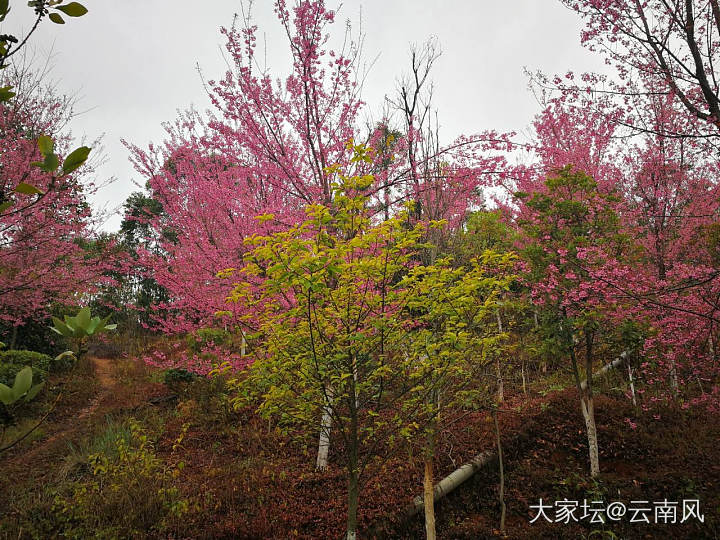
{"x": 501, "y": 494}
{"x": 619, "y": 361}
{"x": 429, "y": 499}
{"x": 588, "y": 410}
{"x": 353, "y": 498}
{"x": 586, "y": 403}
{"x": 353, "y": 468}
{"x": 632, "y": 385}
{"x": 324, "y": 440}
{"x": 428, "y": 490}
{"x": 524, "y": 381}
{"x": 498, "y": 371}
{"x": 500, "y": 389}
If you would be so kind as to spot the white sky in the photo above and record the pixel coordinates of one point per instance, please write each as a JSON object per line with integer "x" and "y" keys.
{"x": 133, "y": 62}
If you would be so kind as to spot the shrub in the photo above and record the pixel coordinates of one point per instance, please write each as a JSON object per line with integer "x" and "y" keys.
{"x": 37, "y": 360}
{"x": 129, "y": 494}
{"x": 203, "y": 337}
{"x": 177, "y": 379}
{"x": 212, "y": 398}
{"x": 26, "y": 358}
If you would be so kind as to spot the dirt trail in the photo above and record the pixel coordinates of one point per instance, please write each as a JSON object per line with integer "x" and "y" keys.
{"x": 67, "y": 429}
{"x": 103, "y": 372}
{"x": 104, "y": 376}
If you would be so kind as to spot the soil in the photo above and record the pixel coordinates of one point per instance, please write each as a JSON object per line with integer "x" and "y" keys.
{"x": 246, "y": 480}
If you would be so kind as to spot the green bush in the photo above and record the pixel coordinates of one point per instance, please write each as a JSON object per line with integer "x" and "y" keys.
{"x": 26, "y": 358}
{"x": 130, "y": 492}
{"x": 8, "y": 372}
{"x": 37, "y": 360}
{"x": 175, "y": 376}
{"x": 202, "y": 337}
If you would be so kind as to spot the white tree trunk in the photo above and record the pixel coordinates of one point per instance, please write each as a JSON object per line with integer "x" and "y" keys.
{"x": 324, "y": 440}
{"x": 619, "y": 361}
{"x": 632, "y": 385}
{"x": 588, "y": 411}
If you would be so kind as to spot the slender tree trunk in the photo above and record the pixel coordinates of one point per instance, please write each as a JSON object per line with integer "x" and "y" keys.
{"x": 324, "y": 440}
{"x": 632, "y": 385}
{"x": 588, "y": 409}
{"x": 498, "y": 371}
{"x": 428, "y": 490}
{"x": 501, "y": 494}
{"x": 524, "y": 382}
{"x": 587, "y": 405}
{"x": 498, "y": 375}
{"x": 243, "y": 344}
{"x": 353, "y": 499}
{"x": 354, "y": 469}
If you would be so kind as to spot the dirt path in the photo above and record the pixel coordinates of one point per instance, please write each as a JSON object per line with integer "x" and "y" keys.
{"x": 103, "y": 372}
{"x": 104, "y": 376}
{"x": 68, "y": 427}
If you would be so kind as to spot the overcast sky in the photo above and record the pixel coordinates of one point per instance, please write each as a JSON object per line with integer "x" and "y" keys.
{"x": 133, "y": 62}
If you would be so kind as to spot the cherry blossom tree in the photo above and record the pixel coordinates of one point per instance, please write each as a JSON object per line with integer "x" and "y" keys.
{"x": 44, "y": 216}
{"x": 266, "y": 147}
{"x": 660, "y": 47}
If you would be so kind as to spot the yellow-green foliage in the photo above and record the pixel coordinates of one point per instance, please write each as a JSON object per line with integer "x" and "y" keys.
{"x": 453, "y": 331}
{"x": 127, "y": 494}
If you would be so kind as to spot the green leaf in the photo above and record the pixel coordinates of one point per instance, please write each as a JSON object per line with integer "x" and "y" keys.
{"x": 95, "y": 322}
{"x": 4, "y": 206}
{"x": 83, "y": 318}
{"x": 7, "y": 396}
{"x": 23, "y": 382}
{"x": 27, "y": 189}
{"x": 75, "y": 159}
{"x": 73, "y": 9}
{"x": 61, "y": 328}
{"x": 6, "y": 94}
{"x": 46, "y": 145}
{"x": 56, "y": 18}
{"x": 51, "y": 163}
{"x": 34, "y": 391}
{"x": 4, "y": 9}
{"x": 64, "y": 355}
{"x": 111, "y": 327}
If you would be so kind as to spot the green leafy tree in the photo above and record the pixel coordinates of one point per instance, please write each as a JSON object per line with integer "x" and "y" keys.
{"x": 452, "y": 312}
{"x": 323, "y": 299}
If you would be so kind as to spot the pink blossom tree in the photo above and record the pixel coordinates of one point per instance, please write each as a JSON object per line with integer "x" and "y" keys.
{"x": 44, "y": 215}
